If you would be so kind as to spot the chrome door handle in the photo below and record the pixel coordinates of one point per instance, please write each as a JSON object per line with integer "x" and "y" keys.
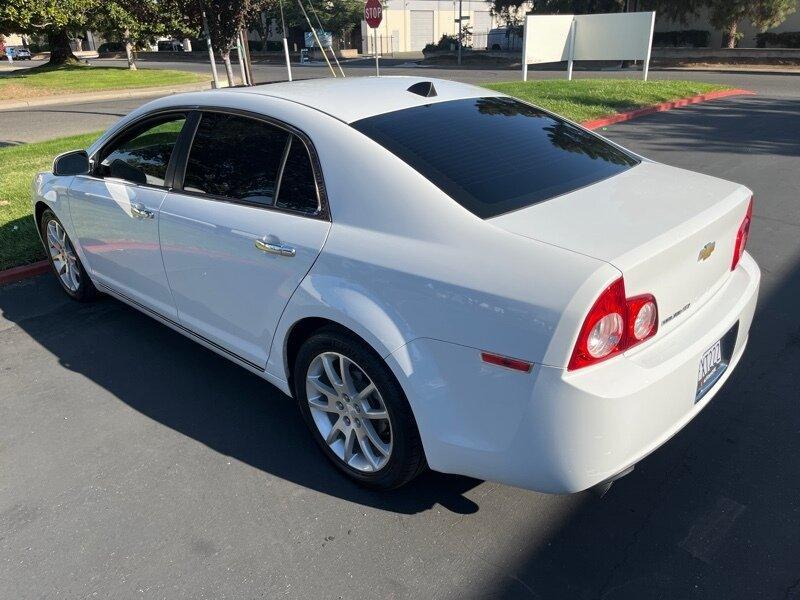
{"x": 139, "y": 211}
{"x": 271, "y": 248}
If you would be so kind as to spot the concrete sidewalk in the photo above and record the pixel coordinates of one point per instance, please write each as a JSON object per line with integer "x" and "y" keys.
{"x": 106, "y": 95}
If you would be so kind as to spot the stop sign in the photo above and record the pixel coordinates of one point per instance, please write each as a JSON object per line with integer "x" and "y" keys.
{"x": 373, "y": 13}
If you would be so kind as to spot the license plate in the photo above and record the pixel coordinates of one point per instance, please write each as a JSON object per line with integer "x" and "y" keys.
{"x": 710, "y": 362}
{"x": 714, "y": 361}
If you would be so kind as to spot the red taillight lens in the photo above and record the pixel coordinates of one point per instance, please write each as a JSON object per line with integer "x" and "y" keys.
{"x": 642, "y": 319}
{"x": 614, "y": 324}
{"x": 603, "y": 329}
{"x": 742, "y": 235}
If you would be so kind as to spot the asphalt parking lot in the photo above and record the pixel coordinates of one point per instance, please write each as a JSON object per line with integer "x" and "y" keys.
{"x": 137, "y": 464}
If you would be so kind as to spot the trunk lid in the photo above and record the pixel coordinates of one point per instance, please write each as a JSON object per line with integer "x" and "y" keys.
{"x": 670, "y": 232}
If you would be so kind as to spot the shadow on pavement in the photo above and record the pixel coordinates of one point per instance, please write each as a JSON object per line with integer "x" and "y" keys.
{"x": 752, "y": 125}
{"x": 180, "y": 384}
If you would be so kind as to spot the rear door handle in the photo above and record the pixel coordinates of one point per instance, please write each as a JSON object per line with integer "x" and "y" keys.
{"x": 273, "y": 248}
{"x": 139, "y": 211}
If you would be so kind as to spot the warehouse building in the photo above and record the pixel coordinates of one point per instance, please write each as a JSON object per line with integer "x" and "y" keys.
{"x": 409, "y": 25}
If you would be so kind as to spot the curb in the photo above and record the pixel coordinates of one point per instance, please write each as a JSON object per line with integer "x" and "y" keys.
{"x": 664, "y": 106}
{"x": 23, "y": 272}
{"x": 109, "y": 95}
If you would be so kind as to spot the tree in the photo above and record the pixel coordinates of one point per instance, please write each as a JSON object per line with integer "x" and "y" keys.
{"x": 133, "y": 21}
{"x": 515, "y": 7}
{"x": 59, "y": 20}
{"x": 727, "y": 14}
{"x": 56, "y": 19}
{"x": 577, "y": 7}
{"x": 225, "y": 19}
{"x": 337, "y": 16}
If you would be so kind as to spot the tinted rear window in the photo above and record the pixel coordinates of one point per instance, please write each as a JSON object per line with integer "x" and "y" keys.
{"x": 495, "y": 155}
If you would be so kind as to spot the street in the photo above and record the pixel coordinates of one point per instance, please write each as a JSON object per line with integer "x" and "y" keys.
{"x": 138, "y": 464}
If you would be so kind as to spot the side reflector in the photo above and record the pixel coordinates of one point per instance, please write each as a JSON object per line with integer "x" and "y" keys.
{"x": 504, "y": 361}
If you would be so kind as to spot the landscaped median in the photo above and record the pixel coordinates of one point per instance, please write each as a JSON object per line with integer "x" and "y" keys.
{"x": 27, "y": 84}
{"x": 586, "y": 101}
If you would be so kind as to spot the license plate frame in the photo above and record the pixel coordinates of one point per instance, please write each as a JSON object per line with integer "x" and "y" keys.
{"x": 714, "y": 362}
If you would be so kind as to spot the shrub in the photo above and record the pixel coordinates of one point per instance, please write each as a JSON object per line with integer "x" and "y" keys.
{"x": 694, "y": 38}
{"x": 784, "y": 39}
{"x": 446, "y": 42}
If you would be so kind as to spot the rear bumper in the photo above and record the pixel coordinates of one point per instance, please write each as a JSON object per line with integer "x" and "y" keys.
{"x": 560, "y": 432}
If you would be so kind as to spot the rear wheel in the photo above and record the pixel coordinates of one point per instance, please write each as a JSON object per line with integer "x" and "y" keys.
{"x": 63, "y": 259}
{"x": 357, "y": 411}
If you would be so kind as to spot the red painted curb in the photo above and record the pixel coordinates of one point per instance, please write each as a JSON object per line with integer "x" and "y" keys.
{"x": 664, "y": 106}
{"x": 23, "y": 272}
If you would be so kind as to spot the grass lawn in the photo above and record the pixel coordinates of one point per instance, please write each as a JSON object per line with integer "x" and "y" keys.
{"x": 586, "y": 99}
{"x": 47, "y": 81}
{"x": 19, "y": 243}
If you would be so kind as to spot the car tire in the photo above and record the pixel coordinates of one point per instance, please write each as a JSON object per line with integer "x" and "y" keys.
{"x": 357, "y": 417}
{"x": 64, "y": 261}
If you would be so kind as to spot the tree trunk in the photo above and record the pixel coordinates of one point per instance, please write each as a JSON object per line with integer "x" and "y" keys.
{"x": 129, "y": 50}
{"x": 60, "y": 51}
{"x": 226, "y": 58}
{"x": 730, "y": 36}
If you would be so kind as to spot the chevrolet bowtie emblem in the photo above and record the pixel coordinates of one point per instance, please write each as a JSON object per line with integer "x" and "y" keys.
{"x": 706, "y": 251}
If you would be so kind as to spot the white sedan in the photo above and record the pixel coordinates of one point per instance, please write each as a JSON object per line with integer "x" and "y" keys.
{"x": 441, "y": 275}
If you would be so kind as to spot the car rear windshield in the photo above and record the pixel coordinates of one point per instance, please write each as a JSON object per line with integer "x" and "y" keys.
{"x": 494, "y": 155}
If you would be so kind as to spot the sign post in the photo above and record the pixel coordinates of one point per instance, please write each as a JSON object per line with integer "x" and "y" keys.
{"x": 373, "y": 15}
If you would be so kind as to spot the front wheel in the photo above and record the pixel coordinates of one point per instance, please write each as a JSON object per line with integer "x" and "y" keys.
{"x": 64, "y": 261}
{"x": 357, "y": 411}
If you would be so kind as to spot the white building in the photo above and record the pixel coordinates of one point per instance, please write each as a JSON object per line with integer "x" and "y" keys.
{"x": 408, "y": 25}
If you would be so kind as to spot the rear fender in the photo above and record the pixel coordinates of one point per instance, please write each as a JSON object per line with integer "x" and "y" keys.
{"x": 344, "y": 303}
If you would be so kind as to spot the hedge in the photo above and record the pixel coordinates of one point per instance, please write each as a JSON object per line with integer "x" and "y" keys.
{"x": 784, "y": 39}
{"x": 696, "y": 38}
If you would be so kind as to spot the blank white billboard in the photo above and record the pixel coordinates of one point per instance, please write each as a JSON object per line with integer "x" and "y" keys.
{"x": 547, "y": 38}
{"x": 614, "y": 36}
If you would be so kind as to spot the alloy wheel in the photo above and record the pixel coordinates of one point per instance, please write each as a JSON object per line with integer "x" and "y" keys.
{"x": 349, "y": 412}
{"x": 62, "y": 253}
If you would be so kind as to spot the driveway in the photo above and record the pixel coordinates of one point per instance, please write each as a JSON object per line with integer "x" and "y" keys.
{"x": 137, "y": 464}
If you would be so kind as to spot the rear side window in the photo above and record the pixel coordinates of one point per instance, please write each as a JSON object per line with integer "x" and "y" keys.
{"x": 252, "y": 161}
{"x": 494, "y": 155}
{"x": 235, "y": 157}
{"x": 298, "y": 188}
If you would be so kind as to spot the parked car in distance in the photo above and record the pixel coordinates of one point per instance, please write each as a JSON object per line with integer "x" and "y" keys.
{"x": 439, "y": 274}
{"x": 170, "y": 46}
{"x": 110, "y": 47}
{"x": 19, "y": 52}
{"x": 503, "y": 38}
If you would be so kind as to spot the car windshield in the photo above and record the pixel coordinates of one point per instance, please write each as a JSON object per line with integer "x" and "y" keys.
{"x": 494, "y": 155}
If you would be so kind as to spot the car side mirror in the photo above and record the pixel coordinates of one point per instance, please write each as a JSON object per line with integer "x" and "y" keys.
{"x": 72, "y": 163}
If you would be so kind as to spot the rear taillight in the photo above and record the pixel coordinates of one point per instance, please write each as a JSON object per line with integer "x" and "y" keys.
{"x": 742, "y": 235}
{"x": 614, "y": 324}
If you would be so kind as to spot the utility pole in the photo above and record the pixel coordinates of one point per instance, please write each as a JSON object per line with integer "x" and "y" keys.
{"x": 460, "y": 4}
{"x": 285, "y": 44}
{"x": 210, "y": 52}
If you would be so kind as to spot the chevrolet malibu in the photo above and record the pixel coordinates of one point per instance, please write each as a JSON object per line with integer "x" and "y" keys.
{"x": 441, "y": 276}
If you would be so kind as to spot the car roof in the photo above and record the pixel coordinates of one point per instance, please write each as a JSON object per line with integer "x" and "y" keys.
{"x": 353, "y": 98}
